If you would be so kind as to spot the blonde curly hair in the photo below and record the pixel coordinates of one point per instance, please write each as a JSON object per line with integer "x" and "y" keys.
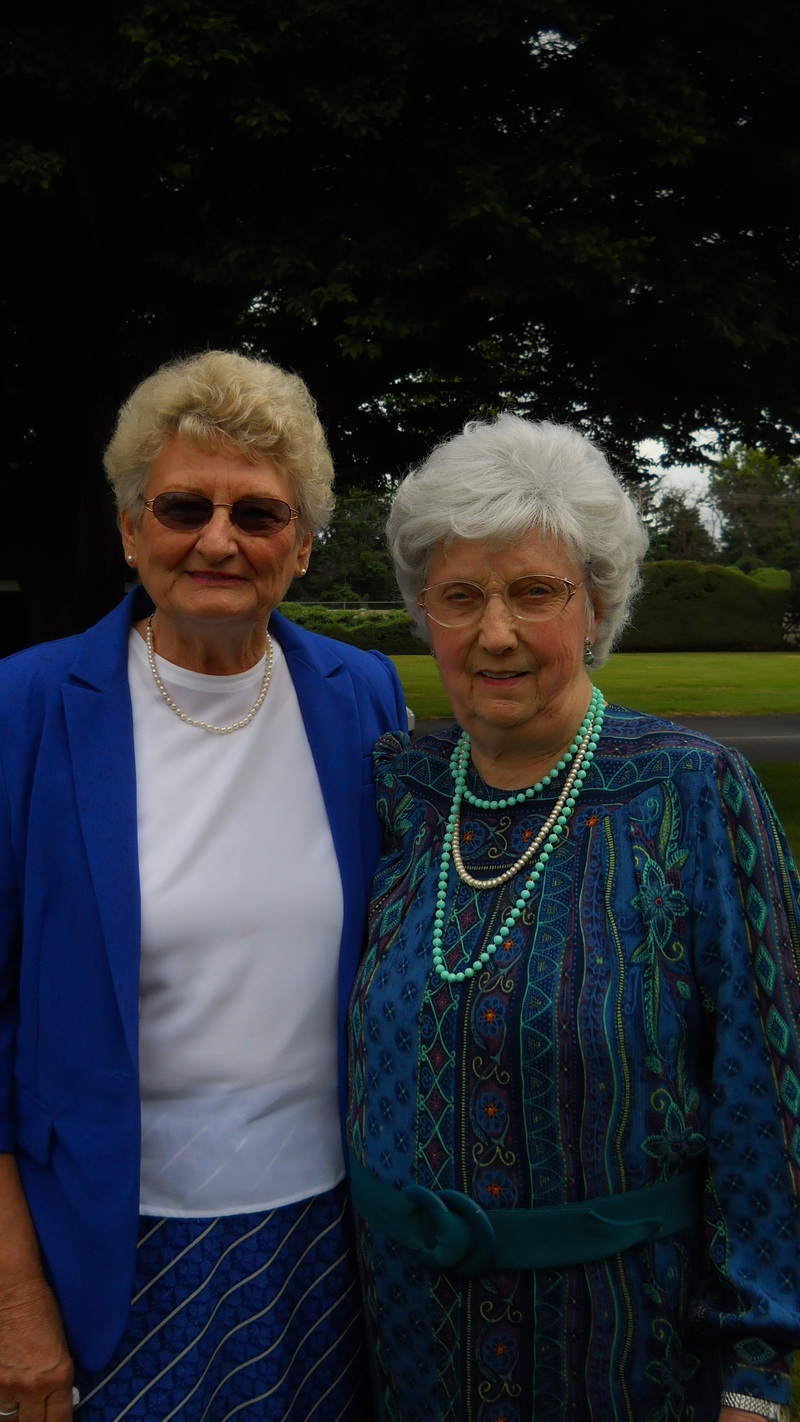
{"x": 220, "y": 397}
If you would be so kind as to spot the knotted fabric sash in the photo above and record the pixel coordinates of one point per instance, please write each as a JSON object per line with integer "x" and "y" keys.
{"x": 450, "y": 1232}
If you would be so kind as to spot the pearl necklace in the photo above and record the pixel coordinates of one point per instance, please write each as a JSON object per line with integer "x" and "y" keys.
{"x": 207, "y": 725}
{"x": 581, "y": 753}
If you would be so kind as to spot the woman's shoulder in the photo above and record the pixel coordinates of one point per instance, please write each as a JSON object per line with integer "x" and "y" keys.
{"x": 639, "y": 734}
{"x": 638, "y": 751}
{"x": 49, "y": 663}
{"x": 413, "y": 782}
{"x": 37, "y": 670}
{"x": 32, "y": 686}
{"x": 419, "y": 765}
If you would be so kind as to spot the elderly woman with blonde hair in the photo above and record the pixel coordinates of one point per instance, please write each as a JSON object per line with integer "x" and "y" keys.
{"x": 574, "y": 1115}
{"x": 187, "y": 838}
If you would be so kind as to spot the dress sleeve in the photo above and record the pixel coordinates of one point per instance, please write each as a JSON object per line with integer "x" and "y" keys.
{"x": 384, "y": 755}
{"x": 387, "y": 748}
{"x": 747, "y": 961}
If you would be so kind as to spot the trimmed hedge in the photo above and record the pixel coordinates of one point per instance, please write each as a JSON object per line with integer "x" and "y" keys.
{"x": 690, "y": 607}
{"x": 389, "y": 632}
{"x": 684, "y": 607}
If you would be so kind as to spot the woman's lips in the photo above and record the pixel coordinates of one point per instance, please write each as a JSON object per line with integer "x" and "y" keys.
{"x": 203, "y": 577}
{"x": 504, "y": 677}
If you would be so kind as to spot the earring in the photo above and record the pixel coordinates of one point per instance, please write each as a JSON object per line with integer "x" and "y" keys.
{"x": 130, "y": 557}
{"x": 588, "y": 653}
{"x": 302, "y": 572}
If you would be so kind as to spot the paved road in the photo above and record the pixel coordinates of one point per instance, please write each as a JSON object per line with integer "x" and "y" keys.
{"x": 760, "y": 738}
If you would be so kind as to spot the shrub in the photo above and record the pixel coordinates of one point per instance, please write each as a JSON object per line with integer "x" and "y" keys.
{"x": 389, "y": 632}
{"x": 772, "y": 577}
{"x": 689, "y": 607}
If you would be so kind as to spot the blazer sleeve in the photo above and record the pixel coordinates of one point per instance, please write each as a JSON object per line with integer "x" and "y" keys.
{"x": 393, "y": 699}
{"x": 10, "y": 938}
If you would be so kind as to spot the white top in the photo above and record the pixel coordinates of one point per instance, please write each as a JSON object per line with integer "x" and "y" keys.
{"x": 241, "y": 927}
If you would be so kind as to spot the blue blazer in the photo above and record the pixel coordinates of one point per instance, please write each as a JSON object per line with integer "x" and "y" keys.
{"x": 70, "y": 929}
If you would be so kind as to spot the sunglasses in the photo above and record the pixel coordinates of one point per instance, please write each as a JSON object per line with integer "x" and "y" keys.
{"x": 186, "y": 513}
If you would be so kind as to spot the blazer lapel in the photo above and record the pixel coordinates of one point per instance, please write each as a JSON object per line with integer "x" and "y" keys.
{"x": 328, "y": 706}
{"x": 97, "y": 708}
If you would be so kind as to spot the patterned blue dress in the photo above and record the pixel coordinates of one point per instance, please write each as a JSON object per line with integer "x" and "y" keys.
{"x": 642, "y": 1018}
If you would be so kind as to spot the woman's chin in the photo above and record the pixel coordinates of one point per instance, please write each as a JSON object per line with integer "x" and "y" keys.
{"x": 502, "y": 716}
{"x": 215, "y": 601}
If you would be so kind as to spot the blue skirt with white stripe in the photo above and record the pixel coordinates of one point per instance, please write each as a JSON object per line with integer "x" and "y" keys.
{"x": 252, "y": 1316}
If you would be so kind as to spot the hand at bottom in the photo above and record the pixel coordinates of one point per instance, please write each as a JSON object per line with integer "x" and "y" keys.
{"x": 35, "y": 1365}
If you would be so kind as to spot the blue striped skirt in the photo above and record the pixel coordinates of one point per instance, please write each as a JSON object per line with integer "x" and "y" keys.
{"x": 255, "y": 1315}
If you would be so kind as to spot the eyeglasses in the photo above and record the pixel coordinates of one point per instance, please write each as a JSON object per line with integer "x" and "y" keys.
{"x": 536, "y": 597}
{"x": 186, "y": 513}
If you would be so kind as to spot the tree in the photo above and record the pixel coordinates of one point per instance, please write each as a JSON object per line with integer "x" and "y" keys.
{"x": 431, "y": 212}
{"x": 677, "y": 530}
{"x": 758, "y": 498}
{"x": 351, "y": 562}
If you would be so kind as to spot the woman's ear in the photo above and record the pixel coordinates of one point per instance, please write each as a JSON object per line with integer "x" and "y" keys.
{"x": 128, "y": 531}
{"x": 303, "y": 556}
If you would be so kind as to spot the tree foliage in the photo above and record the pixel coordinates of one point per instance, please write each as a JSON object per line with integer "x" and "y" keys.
{"x": 757, "y": 496}
{"x": 581, "y": 211}
{"x": 350, "y": 562}
{"x": 677, "y": 530}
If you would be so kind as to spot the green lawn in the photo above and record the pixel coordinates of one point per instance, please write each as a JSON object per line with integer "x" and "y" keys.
{"x": 674, "y": 684}
{"x": 705, "y": 683}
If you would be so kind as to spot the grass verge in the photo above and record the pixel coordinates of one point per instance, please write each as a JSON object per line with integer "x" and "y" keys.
{"x": 704, "y": 684}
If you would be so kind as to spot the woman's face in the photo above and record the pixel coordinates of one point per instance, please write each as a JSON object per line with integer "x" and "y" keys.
{"x": 506, "y": 677}
{"x": 217, "y": 575}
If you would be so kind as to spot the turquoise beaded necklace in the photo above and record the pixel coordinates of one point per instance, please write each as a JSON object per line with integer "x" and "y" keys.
{"x": 576, "y": 760}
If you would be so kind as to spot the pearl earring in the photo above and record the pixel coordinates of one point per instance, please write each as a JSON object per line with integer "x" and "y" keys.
{"x": 130, "y": 557}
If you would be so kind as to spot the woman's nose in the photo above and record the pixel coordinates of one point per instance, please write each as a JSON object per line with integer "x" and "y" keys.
{"x": 217, "y": 538}
{"x": 498, "y": 625}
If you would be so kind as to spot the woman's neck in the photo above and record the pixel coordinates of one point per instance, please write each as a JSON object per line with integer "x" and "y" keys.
{"x": 514, "y": 759}
{"x": 214, "y": 651}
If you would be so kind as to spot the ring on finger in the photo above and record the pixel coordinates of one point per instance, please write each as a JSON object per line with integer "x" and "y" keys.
{"x": 13, "y": 1412}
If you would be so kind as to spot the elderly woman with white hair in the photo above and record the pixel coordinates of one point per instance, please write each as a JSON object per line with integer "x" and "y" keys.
{"x": 574, "y": 1113}
{"x": 187, "y": 839}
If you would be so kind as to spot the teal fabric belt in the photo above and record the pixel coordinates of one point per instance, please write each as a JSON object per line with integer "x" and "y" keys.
{"x": 449, "y": 1231}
